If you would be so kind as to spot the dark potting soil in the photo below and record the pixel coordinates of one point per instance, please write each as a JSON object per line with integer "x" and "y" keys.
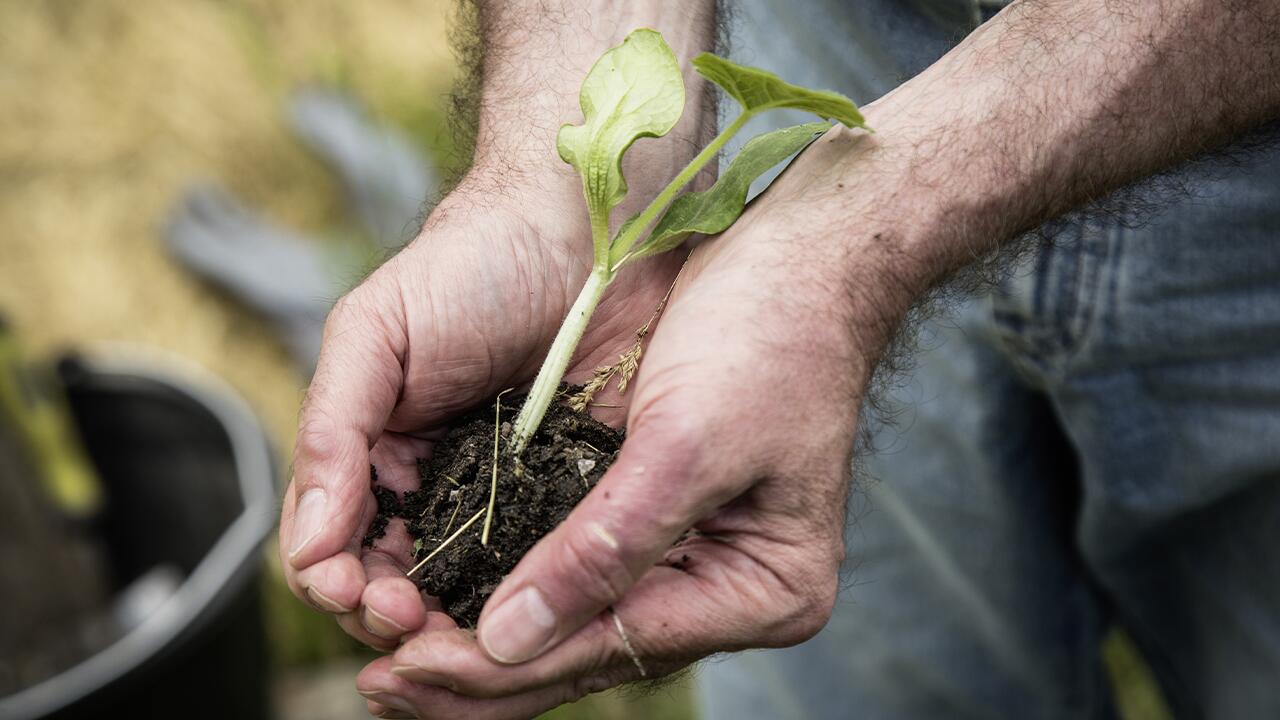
{"x": 388, "y": 507}
{"x": 562, "y": 462}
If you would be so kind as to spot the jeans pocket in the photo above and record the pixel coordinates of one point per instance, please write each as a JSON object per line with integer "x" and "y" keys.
{"x": 1046, "y": 310}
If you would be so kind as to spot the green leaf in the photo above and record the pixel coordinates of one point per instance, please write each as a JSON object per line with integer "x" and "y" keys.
{"x": 715, "y": 209}
{"x": 758, "y": 90}
{"x": 634, "y": 90}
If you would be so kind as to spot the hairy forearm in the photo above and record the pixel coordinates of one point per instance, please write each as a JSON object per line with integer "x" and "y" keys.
{"x": 1051, "y": 105}
{"x": 534, "y": 54}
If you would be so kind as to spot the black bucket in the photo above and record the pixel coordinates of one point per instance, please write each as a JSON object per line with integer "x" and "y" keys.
{"x": 190, "y": 491}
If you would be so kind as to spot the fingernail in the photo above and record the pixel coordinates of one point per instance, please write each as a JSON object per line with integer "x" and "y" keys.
{"x": 383, "y": 698}
{"x": 326, "y": 603}
{"x": 308, "y": 521}
{"x": 381, "y": 625}
{"x": 519, "y": 629}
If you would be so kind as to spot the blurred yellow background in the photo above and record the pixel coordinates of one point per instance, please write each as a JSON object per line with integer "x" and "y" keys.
{"x": 109, "y": 110}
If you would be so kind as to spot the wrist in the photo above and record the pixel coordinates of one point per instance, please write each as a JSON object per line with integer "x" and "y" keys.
{"x": 950, "y": 194}
{"x": 900, "y": 209}
{"x": 857, "y": 227}
{"x": 852, "y": 207}
{"x": 535, "y": 57}
{"x": 527, "y": 161}
{"x": 529, "y": 213}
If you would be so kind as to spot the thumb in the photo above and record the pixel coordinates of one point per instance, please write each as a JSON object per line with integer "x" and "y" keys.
{"x": 655, "y": 491}
{"x": 357, "y": 381}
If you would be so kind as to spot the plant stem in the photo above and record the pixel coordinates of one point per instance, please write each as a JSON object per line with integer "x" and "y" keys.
{"x": 599, "y": 237}
{"x": 608, "y": 257}
{"x": 553, "y": 368}
{"x": 625, "y": 241}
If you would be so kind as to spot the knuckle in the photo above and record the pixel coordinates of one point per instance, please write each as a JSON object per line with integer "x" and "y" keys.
{"x": 369, "y": 308}
{"x": 809, "y": 609}
{"x": 466, "y": 681}
{"x": 694, "y": 441}
{"x": 593, "y": 683}
{"x": 317, "y": 439}
{"x": 595, "y": 566}
{"x": 348, "y": 310}
{"x": 674, "y": 432}
{"x": 668, "y": 420}
{"x": 609, "y": 651}
{"x": 611, "y": 667}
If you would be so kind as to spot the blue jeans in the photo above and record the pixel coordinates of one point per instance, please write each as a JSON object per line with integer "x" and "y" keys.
{"x": 1095, "y": 442}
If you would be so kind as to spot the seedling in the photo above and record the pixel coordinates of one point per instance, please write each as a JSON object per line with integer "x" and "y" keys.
{"x": 636, "y": 90}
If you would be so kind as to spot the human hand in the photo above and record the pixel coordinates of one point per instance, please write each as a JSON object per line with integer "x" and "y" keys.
{"x": 465, "y": 311}
{"x": 1002, "y": 133}
{"x": 471, "y": 306}
{"x": 741, "y": 426}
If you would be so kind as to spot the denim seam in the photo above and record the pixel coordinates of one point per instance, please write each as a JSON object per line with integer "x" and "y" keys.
{"x": 1054, "y": 335}
{"x": 1083, "y": 309}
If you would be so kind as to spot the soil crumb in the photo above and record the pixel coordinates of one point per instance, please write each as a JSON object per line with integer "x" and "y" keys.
{"x": 563, "y": 461}
{"x": 388, "y": 507}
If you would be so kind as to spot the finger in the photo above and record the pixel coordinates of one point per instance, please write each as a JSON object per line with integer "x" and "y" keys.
{"x": 454, "y": 660}
{"x": 386, "y": 690}
{"x": 333, "y": 585}
{"x": 382, "y": 711}
{"x": 658, "y": 487}
{"x": 352, "y": 624}
{"x": 390, "y": 608}
{"x": 686, "y": 454}
{"x": 663, "y": 481}
{"x": 355, "y": 625}
{"x": 722, "y": 599}
{"x": 391, "y": 604}
{"x": 356, "y": 383}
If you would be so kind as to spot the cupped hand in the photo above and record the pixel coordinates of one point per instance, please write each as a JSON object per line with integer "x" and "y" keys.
{"x": 467, "y": 310}
{"x": 741, "y": 427}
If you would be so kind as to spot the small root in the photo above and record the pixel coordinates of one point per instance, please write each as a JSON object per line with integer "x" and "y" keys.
{"x": 454, "y": 516}
{"x": 493, "y": 484}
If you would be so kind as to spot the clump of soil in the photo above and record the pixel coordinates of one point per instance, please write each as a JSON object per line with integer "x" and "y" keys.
{"x": 388, "y": 507}
{"x": 562, "y": 462}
